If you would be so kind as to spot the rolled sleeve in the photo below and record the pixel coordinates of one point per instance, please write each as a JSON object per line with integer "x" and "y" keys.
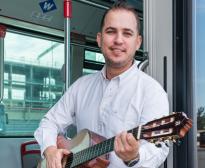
{"x": 150, "y": 155}
{"x": 55, "y": 121}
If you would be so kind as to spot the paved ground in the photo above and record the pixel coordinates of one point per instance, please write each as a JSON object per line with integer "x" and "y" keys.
{"x": 201, "y": 157}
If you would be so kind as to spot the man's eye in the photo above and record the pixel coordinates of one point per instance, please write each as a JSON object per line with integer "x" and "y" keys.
{"x": 110, "y": 31}
{"x": 127, "y": 34}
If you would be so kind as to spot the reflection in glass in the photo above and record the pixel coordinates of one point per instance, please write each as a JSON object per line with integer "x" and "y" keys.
{"x": 32, "y": 81}
{"x": 94, "y": 56}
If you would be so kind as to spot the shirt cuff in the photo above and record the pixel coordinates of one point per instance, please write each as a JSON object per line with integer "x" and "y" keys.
{"x": 46, "y": 140}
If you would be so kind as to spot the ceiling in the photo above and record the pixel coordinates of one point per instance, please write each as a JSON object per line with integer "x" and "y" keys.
{"x": 86, "y": 14}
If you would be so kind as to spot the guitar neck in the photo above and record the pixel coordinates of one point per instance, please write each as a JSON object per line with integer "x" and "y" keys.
{"x": 170, "y": 127}
{"x": 93, "y": 152}
{"x": 96, "y": 150}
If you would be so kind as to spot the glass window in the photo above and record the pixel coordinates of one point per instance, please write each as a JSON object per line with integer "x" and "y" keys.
{"x": 6, "y": 76}
{"x": 6, "y": 95}
{"x": 18, "y": 94}
{"x": 32, "y": 81}
{"x": 94, "y": 56}
{"x": 93, "y": 62}
{"x": 88, "y": 71}
{"x": 18, "y": 79}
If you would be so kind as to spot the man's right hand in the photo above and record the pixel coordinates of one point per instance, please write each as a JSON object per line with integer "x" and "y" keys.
{"x": 54, "y": 156}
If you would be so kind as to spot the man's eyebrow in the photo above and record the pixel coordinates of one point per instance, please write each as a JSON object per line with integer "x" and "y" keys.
{"x": 110, "y": 28}
{"x": 124, "y": 29}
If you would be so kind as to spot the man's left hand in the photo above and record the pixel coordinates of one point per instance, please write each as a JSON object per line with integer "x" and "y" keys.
{"x": 126, "y": 146}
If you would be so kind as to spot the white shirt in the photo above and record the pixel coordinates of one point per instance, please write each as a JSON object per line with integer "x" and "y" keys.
{"x": 108, "y": 107}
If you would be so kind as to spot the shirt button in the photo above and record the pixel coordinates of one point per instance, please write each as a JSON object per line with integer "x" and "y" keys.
{"x": 99, "y": 127}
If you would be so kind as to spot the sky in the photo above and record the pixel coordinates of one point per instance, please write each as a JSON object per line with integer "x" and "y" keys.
{"x": 200, "y": 53}
{"x": 19, "y": 48}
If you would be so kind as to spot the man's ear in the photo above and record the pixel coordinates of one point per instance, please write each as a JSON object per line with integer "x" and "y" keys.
{"x": 139, "y": 42}
{"x": 98, "y": 39}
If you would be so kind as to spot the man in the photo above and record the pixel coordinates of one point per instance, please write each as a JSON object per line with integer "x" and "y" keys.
{"x": 118, "y": 98}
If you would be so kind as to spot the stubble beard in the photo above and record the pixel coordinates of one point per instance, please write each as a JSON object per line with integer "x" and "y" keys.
{"x": 118, "y": 64}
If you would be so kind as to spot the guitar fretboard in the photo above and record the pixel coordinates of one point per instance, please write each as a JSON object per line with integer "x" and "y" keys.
{"x": 96, "y": 150}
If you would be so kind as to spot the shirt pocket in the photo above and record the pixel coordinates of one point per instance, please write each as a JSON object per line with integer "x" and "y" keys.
{"x": 130, "y": 116}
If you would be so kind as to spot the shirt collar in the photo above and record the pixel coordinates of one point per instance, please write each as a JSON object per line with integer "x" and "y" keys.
{"x": 123, "y": 75}
{"x": 103, "y": 72}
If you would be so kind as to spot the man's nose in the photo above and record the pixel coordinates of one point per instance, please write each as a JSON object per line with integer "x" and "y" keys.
{"x": 118, "y": 38}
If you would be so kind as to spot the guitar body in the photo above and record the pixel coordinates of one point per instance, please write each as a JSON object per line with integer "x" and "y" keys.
{"x": 82, "y": 140}
{"x": 88, "y": 145}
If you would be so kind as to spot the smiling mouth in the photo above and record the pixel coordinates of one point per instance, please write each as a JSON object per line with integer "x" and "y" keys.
{"x": 117, "y": 50}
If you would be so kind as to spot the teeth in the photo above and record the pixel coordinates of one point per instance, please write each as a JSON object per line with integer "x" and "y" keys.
{"x": 117, "y": 49}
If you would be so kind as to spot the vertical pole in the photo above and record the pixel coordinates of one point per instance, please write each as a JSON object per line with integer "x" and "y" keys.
{"x": 2, "y": 35}
{"x": 67, "y": 16}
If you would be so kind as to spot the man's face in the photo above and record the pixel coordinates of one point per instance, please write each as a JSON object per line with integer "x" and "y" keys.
{"x": 119, "y": 38}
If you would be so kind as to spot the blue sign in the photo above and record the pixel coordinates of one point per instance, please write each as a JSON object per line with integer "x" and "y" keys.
{"x": 47, "y": 6}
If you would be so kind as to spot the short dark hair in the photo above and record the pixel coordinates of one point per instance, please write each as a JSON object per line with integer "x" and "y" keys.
{"x": 121, "y": 4}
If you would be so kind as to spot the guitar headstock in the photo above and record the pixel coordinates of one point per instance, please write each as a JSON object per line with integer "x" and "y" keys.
{"x": 172, "y": 127}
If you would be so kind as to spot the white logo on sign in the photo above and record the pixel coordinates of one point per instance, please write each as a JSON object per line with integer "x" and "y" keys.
{"x": 47, "y": 6}
{"x": 40, "y": 16}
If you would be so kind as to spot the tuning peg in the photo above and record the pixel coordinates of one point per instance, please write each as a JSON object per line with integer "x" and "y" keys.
{"x": 152, "y": 141}
{"x": 158, "y": 144}
{"x": 178, "y": 142}
{"x": 167, "y": 143}
{"x": 170, "y": 138}
{"x": 174, "y": 140}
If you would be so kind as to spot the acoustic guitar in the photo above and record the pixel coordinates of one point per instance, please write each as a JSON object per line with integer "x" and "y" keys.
{"x": 87, "y": 145}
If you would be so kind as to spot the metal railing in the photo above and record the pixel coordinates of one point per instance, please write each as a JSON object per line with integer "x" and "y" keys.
{"x": 1, "y": 68}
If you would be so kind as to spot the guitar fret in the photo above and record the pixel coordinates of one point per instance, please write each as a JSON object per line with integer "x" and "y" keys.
{"x": 86, "y": 154}
{"x": 106, "y": 146}
{"x": 83, "y": 155}
{"x": 79, "y": 158}
{"x": 101, "y": 148}
{"x": 96, "y": 149}
{"x": 93, "y": 151}
{"x": 134, "y": 132}
{"x": 106, "y": 149}
{"x": 89, "y": 154}
{"x": 75, "y": 159}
